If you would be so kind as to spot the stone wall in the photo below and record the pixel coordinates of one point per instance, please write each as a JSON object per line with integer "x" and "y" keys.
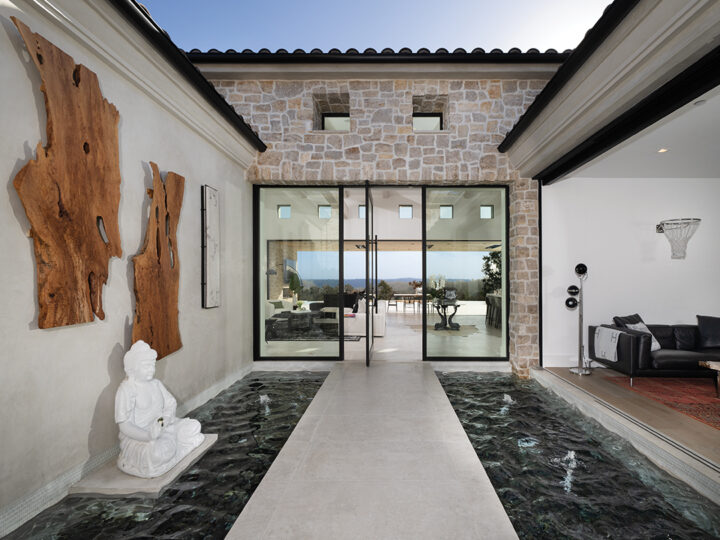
{"x": 382, "y": 147}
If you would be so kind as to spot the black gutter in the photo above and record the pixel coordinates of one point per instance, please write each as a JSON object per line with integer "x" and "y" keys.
{"x": 137, "y": 16}
{"x": 699, "y": 78}
{"x": 284, "y": 57}
{"x": 610, "y": 19}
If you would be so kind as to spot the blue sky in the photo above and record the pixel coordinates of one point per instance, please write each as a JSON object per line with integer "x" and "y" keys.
{"x": 291, "y": 24}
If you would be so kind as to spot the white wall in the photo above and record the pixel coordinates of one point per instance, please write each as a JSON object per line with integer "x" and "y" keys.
{"x": 609, "y": 224}
{"x": 57, "y": 386}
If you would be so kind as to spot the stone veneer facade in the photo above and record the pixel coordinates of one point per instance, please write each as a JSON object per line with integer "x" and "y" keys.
{"x": 381, "y": 147}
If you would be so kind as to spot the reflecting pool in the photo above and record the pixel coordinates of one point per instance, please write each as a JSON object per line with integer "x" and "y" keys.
{"x": 560, "y": 474}
{"x": 253, "y": 418}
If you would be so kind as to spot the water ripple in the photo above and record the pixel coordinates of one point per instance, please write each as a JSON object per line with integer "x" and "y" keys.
{"x": 560, "y": 474}
{"x": 253, "y": 419}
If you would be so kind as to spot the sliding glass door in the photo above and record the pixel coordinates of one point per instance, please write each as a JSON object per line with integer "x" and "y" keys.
{"x": 465, "y": 259}
{"x": 299, "y": 310}
{"x": 316, "y": 257}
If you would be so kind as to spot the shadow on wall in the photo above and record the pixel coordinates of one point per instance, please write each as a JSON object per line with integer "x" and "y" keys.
{"x": 33, "y": 86}
{"x": 103, "y": 431}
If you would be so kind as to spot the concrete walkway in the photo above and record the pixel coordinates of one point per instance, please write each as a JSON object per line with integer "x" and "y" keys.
{"x": 378, "y": 454}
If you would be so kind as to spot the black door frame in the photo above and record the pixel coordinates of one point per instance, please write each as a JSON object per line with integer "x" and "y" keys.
{"x": 506, "y": 271}
{"x": 341, "y": 282}
{"x": 256, "y": 273}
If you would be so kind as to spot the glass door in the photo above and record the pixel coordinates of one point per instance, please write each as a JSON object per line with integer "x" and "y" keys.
{"x": 465, "y": 260}
{"x": 299, "y": 305}
{"x": 370, "y": 277}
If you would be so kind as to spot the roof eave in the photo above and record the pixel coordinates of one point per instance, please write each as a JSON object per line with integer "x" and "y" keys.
{"x": 610, "y": 19}
{"x": 135, "y": 15}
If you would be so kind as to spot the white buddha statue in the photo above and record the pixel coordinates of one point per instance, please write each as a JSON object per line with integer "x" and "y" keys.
{"x": 152, "y": 439}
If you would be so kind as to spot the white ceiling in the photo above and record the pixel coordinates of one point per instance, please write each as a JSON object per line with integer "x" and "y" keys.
{"x": 692, "y": 138}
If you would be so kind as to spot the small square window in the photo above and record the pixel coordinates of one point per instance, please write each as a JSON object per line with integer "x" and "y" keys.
{"x": 336, "y": 121}
{"x": 427, "y": 121}
{"x": 405, "y": 211}
{"x": 487, "y": 211}
{"x": 324, "y": 211}
{"x": 284, "y": 211}
{"x": 361, "y": 211}
{"x": 446, "y": 211}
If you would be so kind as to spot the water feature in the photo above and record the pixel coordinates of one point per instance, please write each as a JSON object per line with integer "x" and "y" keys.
{"x": 560, "y": 474}
{"x": 253, "y": 418}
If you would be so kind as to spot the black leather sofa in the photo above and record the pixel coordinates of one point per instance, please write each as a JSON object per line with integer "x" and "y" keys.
{"x": 682, "y": 347}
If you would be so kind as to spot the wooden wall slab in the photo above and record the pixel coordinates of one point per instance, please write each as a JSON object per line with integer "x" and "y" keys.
{"x": 157, "y": 268}
{"x": 72, "y": 189}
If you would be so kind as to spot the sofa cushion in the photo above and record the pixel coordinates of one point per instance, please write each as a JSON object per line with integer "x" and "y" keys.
{"x": 641, "y": 327}
{"x": 622, "y": 322}
{"x": 686, "y": 337}
{"x": 709, "y": 329}
{"x": 664, "y": 334}
{"x": 670, "y": 359}
{"x": 713, "y": 353}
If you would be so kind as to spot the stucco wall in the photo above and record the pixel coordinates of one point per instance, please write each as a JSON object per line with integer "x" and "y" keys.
{"x": 57, "y": 385}
{"x": 609, "y": 224}
{"x": 381, "y": 147}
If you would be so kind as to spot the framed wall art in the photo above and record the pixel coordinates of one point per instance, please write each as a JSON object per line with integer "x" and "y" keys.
{"x": 210, "y": 247}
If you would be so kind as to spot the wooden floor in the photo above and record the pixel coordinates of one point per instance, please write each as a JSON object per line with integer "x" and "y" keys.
{"x": 690, "y": 433}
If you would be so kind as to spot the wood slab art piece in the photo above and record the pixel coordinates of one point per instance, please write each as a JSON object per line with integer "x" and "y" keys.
{"x": 157, "y": 268}
{"x": 71, "y": 191}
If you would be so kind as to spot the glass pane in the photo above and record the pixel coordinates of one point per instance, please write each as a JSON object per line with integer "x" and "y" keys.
{"x": 487, "y": 212}
{"x": 284, "y": 211}
{"x": 324, "y": 211}
{"x": 336, "y": 123}
{"x": 354, "y": 266}
{"x": 369, "y": 289}
{"x": 405, "y": 211}
{"x": 426, "y": 123}
{"x": 299, "y": 305}
{"x": 466, "y": 278}
{"x": 446, "y": 212}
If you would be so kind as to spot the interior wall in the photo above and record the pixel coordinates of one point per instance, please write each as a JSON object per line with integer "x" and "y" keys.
{"x": 58, "y": 385}
{"x": 609, "y": 224}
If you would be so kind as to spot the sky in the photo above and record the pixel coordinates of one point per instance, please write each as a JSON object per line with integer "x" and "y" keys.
{"x": 293, "y": 24}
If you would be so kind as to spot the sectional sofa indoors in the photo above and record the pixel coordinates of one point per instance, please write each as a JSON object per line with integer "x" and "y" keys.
{"x": 666, "y": 351}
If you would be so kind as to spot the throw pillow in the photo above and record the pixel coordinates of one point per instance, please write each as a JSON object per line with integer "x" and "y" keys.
{"x": 622, "y": 322}
{"x": 709, "y": 328}
{"x": 277, "y": 303}
{"x": 641, "y": 327}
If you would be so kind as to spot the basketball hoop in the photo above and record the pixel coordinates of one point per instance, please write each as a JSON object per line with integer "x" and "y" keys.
{"x": 678, "y": 232}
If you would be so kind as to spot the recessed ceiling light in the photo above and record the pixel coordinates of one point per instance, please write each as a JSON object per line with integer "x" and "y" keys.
{"x": 662, "y": 150}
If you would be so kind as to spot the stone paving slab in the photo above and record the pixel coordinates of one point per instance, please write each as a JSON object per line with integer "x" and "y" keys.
{"x": 109, "y": 481}
{"x": 379, "y": 453}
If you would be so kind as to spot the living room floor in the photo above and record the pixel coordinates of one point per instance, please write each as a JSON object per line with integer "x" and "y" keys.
{"x": 403, "y": 339}
{"x": 693, "y": 434}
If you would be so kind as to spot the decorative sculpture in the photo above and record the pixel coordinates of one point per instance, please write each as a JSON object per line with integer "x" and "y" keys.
{"x": 678, "y": 232}
{"x": 71, "y": 191}
{"x": 152, "y": 439}
{"x": 157, "y": 268}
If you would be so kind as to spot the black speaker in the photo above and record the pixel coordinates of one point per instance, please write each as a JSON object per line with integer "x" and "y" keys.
{"x": 573, "y": 290}
{"x": 571, "y": 302}
{"x": 581, "y": 269}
